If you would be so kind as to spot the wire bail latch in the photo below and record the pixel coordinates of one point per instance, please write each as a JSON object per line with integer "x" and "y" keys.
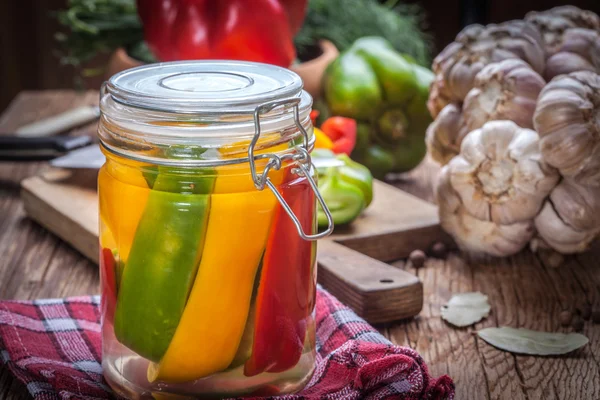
{"x": 301, "y": 159}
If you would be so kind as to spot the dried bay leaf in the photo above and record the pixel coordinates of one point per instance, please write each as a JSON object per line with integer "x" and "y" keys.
{"x": 465, "y": 309}
{"x": 526, "y": 341}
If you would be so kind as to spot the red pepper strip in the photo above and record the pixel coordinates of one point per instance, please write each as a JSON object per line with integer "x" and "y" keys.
{"x": 109, "y": 283}
{"x": 314, "y": 114}
{"x": 342, "y": 131}
{"x": 284, "y": 302}
{"x": 257, "y": 30}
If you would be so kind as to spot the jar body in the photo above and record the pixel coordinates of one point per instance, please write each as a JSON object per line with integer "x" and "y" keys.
{"x": 207, "y": 289}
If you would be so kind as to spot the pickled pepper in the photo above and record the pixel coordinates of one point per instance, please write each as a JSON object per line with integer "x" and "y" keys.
{"x": 286, "y": 291}
{"x": 162, "y": 264}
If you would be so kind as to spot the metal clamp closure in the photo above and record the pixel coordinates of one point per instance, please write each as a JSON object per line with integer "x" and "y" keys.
{"x": 301, "y": 159}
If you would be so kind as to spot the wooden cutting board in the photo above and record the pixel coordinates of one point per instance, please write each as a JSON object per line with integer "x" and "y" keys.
{"x": 351, "y": 262}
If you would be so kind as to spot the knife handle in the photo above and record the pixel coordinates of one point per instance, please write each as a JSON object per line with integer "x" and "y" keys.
{"x": 60, "y": 122}
{"x": 15, "y": 148}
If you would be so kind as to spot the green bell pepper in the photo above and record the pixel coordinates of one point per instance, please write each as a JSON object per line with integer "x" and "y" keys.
{"x": 163, "y": 261}
{"x": 386, "y": 92}
{"x": 347, "y": 189}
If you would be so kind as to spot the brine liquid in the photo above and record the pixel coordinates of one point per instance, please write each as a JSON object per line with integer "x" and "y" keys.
{"x": 207, "y": 289}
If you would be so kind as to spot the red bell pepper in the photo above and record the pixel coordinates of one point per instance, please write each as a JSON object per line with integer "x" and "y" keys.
{"x": 257, "y": 30}
{"x": 342, "y": 131}
{"x": 286, "y": 292}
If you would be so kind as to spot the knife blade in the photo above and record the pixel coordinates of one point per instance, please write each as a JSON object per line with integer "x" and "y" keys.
{"x": 92, "y": 157}
{"x": 89, "y": 157}
{"x": 60, "y": 122}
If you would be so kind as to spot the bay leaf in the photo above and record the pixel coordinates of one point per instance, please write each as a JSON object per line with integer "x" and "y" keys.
{"x": 465, "y": 309}
{"x": 526, "y": 341}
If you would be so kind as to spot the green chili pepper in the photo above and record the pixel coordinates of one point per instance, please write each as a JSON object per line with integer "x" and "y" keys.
{"x": 163, "y": 261}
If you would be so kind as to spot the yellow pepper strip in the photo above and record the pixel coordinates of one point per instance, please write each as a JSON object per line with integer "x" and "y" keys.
{"x": 322, "y": 141}
{"x": 214, "y": 319}
{"x": 122, "y": 201}
{"x": 212, "y": 324}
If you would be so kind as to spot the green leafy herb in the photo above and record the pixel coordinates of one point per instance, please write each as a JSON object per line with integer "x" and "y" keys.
{"x": 100, "y": 26}
{"x": 344, "y": 21}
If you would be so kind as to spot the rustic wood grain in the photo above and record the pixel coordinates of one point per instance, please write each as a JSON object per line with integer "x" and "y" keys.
{"x": 523, "y": 292}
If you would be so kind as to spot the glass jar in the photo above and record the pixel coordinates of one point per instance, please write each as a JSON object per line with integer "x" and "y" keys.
{"x": 207, "y": 229}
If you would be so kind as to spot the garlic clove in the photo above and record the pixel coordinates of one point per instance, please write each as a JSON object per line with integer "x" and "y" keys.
{"x": 464, "y": 181}
{"x": 567, "y": 118}
{"x": 473, "y": 149}
{"x": 559, "y": 235}
{"x": 472, "y": 234}
{"x": 577, "y": 205}
{"x": 444, "y": 135}
{"x": 438, "y": 97}
{"x": 496, "y": 137}
{"x": 566, "y": 62}
{"x": 577, "y": 50}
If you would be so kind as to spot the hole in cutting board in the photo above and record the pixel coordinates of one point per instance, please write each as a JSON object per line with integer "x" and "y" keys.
{"x": 386, "y": 281}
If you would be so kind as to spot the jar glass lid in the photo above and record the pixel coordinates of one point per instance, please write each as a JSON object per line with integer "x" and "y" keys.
{"x": 204, "y": 86}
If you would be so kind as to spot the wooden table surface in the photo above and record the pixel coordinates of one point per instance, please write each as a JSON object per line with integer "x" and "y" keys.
{"x": 523, "y": 290}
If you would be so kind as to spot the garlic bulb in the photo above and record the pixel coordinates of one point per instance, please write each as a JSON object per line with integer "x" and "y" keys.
{"x": 570, "y": 218}
{"x": 445, "y": 134}
{"x": 555, "y": 22}
{"x": 504, "y": 90}
{"x": 476, "y": 46}
{"x": 567, "y": 118}
{"x": 499, "y": 175}
{"x": 578, "y": 50}
{"x": 472, "y": 234}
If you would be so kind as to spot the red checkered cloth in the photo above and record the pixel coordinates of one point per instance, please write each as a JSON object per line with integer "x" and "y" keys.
{"x": 53, "y": 347}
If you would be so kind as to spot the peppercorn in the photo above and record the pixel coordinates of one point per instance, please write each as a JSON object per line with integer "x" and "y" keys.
{"x": 577, "y": 323}
{"x": 565, "y": 317}
{"x": 417, "y": 258}
{"x": 555, "y": 259}
{"x": 438, "y": 250}
{"x": 585, "y": 310}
